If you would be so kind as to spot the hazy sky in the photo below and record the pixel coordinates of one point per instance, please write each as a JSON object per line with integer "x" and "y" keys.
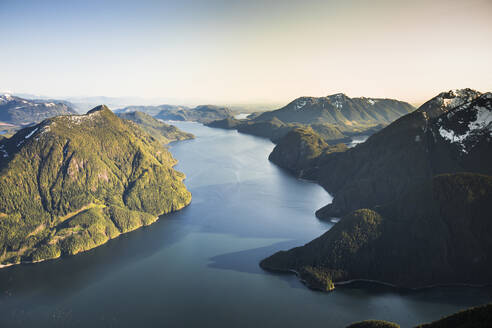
{"x": 245, "y": 51}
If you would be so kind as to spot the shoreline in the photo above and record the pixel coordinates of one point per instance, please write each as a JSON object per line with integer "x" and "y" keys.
{"x": 3, "y": 266}
{"x": 376, "y": 282}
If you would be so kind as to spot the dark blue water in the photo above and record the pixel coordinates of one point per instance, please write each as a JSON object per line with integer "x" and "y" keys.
{"x": 199, "y": 267}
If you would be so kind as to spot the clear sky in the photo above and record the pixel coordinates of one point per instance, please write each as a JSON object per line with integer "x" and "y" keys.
{"x": 245, "y": 51}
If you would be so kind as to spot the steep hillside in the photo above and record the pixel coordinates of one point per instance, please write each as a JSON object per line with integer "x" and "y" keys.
{"x": 71, "y": 183}
{"x": 163, "y": 132}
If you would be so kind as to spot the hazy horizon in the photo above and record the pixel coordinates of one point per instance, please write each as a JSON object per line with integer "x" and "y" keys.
{"x": 233, "y": 52}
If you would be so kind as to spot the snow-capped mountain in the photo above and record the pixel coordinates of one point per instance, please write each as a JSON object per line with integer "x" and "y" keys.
{"x": 459, "y": 119}
{"x": 468, "y": 123}
{"x": 19, "y": 111}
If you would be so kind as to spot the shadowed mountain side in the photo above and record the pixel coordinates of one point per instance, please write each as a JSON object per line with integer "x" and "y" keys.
{"x": 442, "y": 241}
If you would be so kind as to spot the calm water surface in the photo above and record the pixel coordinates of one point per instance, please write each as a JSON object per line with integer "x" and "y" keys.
{"x": 199, "y": 267}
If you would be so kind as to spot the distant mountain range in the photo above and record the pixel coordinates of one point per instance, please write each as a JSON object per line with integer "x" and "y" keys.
{"x": 415, "y": 199}
{"x": 336, "y": 118}
{"x": 18, "y": 111}
{"x": 202, "y": 114}
{"x": 71, "y": 183}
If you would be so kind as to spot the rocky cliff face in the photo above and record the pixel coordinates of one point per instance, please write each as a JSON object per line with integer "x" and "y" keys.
{"x": 71, "y": 183}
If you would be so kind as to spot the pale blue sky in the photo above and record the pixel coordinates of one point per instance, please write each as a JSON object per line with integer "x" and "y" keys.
{"x": 245, "y": 51}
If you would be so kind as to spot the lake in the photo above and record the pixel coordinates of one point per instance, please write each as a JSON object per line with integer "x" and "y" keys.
{"x": 199, "y": 266}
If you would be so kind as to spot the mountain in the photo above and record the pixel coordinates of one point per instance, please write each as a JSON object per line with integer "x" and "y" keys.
{"x": 475, "y": 317}
{"x": 421, "y": 187}
{"x": 202, "y": 114}
{"x": 71, "y": 183}
{"x": 18, "y": 111}
{"x": 341, "y": 110}
{"x": 163, "y": 132}
{"x": 336, "y": 118}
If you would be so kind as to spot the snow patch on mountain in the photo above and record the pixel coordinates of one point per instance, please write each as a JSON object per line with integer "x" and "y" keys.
{"x": 5, "y": 98}
{"x": 300, "y": 104}
{"x": 457, "y": 97}
{"x": 31, "y": 133}
{"x": 339, "y": 100}
{"x": 483, "y": 120}
{"x": 482, "y": 123}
